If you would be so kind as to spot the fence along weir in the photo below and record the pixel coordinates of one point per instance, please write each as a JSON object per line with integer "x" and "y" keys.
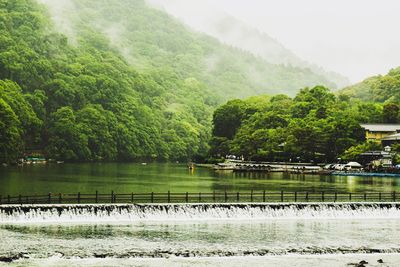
{"x": 200, "y": 197}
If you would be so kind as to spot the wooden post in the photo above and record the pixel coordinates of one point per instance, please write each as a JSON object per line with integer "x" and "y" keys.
{"x": 295, "y": 196}
{"x": 237, "y": 197}
{"x": 152, "y": 197}
{"x": 226, "y": 197}
{"x": 20, "y": 199}
{"x": 323, "y": 196}
{"x": 1, "y": 199}
{"x": 132, "y": 196}
{"x": 169, "y": 196}
{"x": 394, "y": 196}
{"x": 8, "y": 199}
{"x": 365, "y": 196}
{"x": 97, "y": 197}
{"x": 281, "y": 196}
{"x": 214, "y": 196}
{"x": 187, "y": 197}
{"x": 251, "y": 196}
{"x": 335, "y": 196}
{"x": 79, "y": 197}
{"x": 380, "y": 196}
{"x": 59, "y": 198}
{"x": 49, "y": 198}
{"x": 349, "y": 196}
{"x": 307, "y": 196}
{"x": 264, "y": 196}
{"x": 199, "y": 197}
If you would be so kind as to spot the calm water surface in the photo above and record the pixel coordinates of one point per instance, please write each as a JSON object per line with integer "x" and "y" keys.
{"x": 158, "y": 177}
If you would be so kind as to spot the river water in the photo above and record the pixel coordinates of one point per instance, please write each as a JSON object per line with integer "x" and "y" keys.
{"x": 158, "y": 177}
{"x": 190, "y": 236}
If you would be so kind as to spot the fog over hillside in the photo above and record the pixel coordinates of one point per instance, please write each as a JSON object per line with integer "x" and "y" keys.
{"x": 354, "y": 38}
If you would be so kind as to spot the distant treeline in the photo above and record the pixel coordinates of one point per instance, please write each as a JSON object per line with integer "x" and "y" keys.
{"x": 315, "y": 126}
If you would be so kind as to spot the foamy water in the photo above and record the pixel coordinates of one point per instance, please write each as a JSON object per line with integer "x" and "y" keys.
{"x": 200, "y": 212}
{"x": 198, "y": 235}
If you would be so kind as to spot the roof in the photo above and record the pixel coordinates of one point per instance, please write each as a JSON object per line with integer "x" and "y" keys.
{"x": 376, "y": 127}
{"x": 375, "y": 153}
{"x": 393, "y": 137}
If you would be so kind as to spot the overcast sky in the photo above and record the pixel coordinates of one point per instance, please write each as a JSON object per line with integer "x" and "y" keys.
{"x": 357, "y": 38}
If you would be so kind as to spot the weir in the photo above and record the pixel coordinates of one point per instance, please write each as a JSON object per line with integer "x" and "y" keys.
{"x": 131, "y": 213}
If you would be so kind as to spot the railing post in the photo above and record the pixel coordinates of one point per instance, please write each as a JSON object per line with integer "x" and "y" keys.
{"x": 187, "y": 197}
{"x": 132, "y": 196}
{"x": 282, "y": 196}
{"x": 251, "y": 196}
{"x": 365, "y": 196}
{"x": 152, "y": 197}
{"x": 264, "y": 196}
{"x": 20, "y": 199}
{"x": 8, "y": 199}
{"x": 335, "y": 196}
{"x": 237, "y": 197}
{"x": 295, "y": 196}
{"x": 349, "y": 196}
{"x": 1, "y": 199}
{"x": 79, "y": 197}
{"x": 49, "y": 198}
{"x": 380, "y": 196}
{"x": 59, "y": 198}
{"x": 214, "y": 196}
{"x": 97, "y": 197}
{"x": 394, "y": 196}
{"x": 323, "y": 196}
{"x": 199, "y": 197}
{"x": 169, "y": 196}
{"x": 226, "y": 197}
{"x": 306, "y": 196}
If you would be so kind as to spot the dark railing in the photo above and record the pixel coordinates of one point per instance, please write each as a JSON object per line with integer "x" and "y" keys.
{"x": 213, "y": 197}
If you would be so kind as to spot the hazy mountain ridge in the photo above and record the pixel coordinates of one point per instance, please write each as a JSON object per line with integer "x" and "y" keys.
{"x": 233, "y": 31}
{"x": 149, "y": 38}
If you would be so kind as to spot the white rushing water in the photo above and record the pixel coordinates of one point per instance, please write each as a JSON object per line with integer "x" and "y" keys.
{"x": 206, "y": 212}
{"x": 201, "y": 235}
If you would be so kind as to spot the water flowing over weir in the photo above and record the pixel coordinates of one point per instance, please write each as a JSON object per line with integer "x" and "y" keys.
{"x": 107, "y": 213}
{"x": 118, "y": 234}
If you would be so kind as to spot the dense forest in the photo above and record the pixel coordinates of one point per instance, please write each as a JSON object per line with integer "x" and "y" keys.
{"x": 118, "y": 80}
{"x": 315, "y": 125}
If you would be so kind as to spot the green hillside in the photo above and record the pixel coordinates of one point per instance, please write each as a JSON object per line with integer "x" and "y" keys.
{"x": 378, "y": 88}
{"x": 150, "y": 39}
{"x": 123, "y": 82}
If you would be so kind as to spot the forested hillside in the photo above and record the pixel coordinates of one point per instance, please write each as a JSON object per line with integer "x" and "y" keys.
{"x": 378, "y": 88}
{"x": 151, "y": 40}
{"x": 122, "y": 81}
{"x": 315, "y": 125}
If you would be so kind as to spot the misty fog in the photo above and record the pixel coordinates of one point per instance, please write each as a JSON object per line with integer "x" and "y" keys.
{"x": 355, "y": 38}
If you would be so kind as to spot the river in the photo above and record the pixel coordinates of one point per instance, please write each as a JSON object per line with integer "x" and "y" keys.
{"x": 319, "y": 236}
{"x": 163, "y": 177}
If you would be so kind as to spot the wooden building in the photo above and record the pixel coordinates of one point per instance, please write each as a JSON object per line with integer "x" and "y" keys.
{"x": 378, "y": 132}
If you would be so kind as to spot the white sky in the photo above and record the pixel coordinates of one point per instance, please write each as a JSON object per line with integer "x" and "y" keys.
{"x": 357, "y": 38}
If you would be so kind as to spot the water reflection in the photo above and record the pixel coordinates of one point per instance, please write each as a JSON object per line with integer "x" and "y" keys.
{"x": 157, "y": 177}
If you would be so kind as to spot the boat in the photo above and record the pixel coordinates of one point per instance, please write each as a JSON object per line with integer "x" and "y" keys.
{"x": 224, "y": 166}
